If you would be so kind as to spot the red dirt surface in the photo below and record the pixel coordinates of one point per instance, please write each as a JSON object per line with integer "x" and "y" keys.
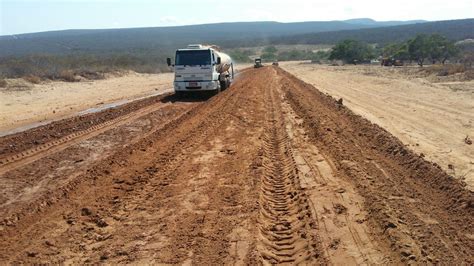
{"x": 269, "y": 171}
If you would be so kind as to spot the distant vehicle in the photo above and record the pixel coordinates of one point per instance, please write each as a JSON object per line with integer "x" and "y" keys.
{"x": 391, "y": 62}
{"x": 258, "y": 63}
{"x": 275, "y": 63}
{"x": 201, "y": 68}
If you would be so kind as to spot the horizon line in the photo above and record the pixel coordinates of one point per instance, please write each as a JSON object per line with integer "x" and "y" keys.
{"x": 224, "y": 22}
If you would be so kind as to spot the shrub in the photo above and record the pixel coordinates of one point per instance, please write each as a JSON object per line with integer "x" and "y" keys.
{"x": 268, "y": 57}
{"x": 3, "y": 83}
{"x": 445, "y": 70}
{"x": 452, "y": 69}
{"x": 91, "y": 75}
{"x": 241, "y": 56}
{"x": 67, "y": 75}
{"x": 90, "y": 66}
{"x": 33, "y": 79}
{"x": 351, "y": 51}
{"x": 269, "y": 50}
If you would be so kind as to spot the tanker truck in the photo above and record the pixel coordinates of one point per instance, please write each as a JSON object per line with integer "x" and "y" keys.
{"x": 201, "y": 68}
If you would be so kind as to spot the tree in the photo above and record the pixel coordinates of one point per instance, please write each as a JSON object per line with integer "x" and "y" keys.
{"x": 269, "y": 50}
{"x": 351, "y": 51}
{"x": 419, "y": 48}
{"x": 268, "y": 56}
{"x": 434, "y": 47}
{"x": 240, "y": 55}
{"x": 319, "y": 55}
{"x": 441, "y": 48}
{"x": 396, "y": 51}
{"x": 449, "y": 50}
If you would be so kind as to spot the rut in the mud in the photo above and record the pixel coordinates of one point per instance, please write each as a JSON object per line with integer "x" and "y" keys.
{"x": 29, "y": 155}
{"x": 424, "y": 214}
{"x": 288, "y": 235}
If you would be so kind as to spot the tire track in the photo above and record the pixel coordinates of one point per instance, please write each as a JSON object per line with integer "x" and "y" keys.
{"x": 25, "y": 157}
{"x": 415, "y": 212}
{"x": 334, "y": 203}
{"x": 287, "y": 234}
{"x": 127, "y": 184}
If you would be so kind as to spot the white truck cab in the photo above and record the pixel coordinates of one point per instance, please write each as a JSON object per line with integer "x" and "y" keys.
{"x": 201, "y": 68}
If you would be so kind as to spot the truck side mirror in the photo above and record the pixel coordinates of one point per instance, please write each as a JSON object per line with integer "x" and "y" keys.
{"x": 218, "y": 60}
{"x": 168, "y": 61}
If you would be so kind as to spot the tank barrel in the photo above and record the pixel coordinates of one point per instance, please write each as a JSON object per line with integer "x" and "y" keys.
{"x": 225, "y": 64}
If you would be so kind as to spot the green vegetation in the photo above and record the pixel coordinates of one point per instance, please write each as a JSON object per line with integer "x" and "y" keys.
{"x": 320, "y": 56}
{"x": 270, "y": 50}
{"x": 241, "y": 55}
{"x": 396, "y": 50}
{"x": 89, "y": 66}
{"x": 352, "y": 51}
{"x": 158, "y": 39}
{"x": 423, "y": 47}
{"x": 271, "y": 53}
{"x": 454, "y": 30}
{"x": 441, "y": 48}
{"x": 294, "y": 55}
{"x": 65, "y": 54}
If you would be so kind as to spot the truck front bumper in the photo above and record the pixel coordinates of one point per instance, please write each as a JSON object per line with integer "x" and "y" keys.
{"x": 196, "y": 86}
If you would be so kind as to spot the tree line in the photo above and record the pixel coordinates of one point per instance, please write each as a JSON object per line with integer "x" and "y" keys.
{"x": 421, "y": 48}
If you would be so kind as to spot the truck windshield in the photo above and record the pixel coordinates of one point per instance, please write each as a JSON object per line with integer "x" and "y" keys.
{"x": 193, "y": 58}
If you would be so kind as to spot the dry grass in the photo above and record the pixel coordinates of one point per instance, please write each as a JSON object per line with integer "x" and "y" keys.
{"x": 454, "y": 72}
{"x": 67, "y": 75}
{"x": 469, "y": 74}
{"x": 33, "y": 79}
{"x": 446, "y": 70}
{"x": 90, "y": 75}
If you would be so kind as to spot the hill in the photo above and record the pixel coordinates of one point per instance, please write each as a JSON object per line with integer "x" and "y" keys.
{"x": 166, "y": 38}
{"x": 455, "y": 30}
{"x": 371, "y": 22}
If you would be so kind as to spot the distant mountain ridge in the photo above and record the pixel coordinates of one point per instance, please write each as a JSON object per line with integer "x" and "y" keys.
{"x": 164, "y": 40}
{"x": 455, "y": 30}
{"x": 130, "y": 39}
{"x": 369, "y": 21}
{"x": 267, "y": 26}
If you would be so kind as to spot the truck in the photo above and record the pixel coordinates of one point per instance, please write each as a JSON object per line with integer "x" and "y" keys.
{"x": 201, "y": 68}
{"x": 391, "y": 62}
{"x": 258, "y": 63}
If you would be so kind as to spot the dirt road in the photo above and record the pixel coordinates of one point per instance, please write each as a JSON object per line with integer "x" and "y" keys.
{"x": 432, "y": 115}
{"x": 269, "y": 171}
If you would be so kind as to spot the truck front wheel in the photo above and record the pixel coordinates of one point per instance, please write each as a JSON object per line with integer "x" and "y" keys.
{"x": 216, "y": 91}
{"x": 223, "y": 85}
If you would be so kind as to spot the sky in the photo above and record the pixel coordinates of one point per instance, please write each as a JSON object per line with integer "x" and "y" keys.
{"x": 25, "y": 16}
